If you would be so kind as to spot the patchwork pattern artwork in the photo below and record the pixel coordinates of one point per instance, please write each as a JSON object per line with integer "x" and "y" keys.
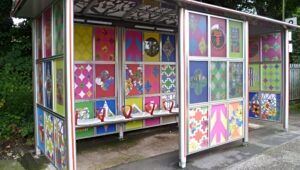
{"x": 168, "y": 48}
{"x": 104, "y": 44}
{"x": 152, "y": 79}
{"x": 198, "y": 81}
{"x": 47, "y": 32}
{"x": 235, "y": 120}
{"x": 110, "y": 107}
{"x": 48, "y": 85}
{"x": 198, "y": 38}
{"x": 218, "y": 124}
{"x": 198, "y": 129}
{"x": 254, "y": 77}
{"x": 235, "y": 39}
{"x": 59, "y": 89}
{"x": 60, "y": 145}
{"x": 218, "y": 80}
{"x": 83, "y": 42}
{"x": 271, "y": 47}
{"x": 254, "y": 49}
{"x": 168, "y": 78}
{"x": 134, "y": 80}
{"x": 254, "y": 105}
{"x": 49, "y": 136}
{"x": 83, "y": 81}
{"x": 235, "y": 79}
{"x": 58, "y": 27}
{"x": 218, "y": 37}
{"x": 41, "y": 129}
{"x": 105, "y": 80}
{"x": 133, "y": 46}
{"x": 271, "y": 77}
{"x": 270, "y": 106}
{"x": 151, "y": 46}
{"x": 40, "y": 96}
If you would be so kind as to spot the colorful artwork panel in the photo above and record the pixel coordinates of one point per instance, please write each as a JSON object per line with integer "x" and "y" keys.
{"x": 270, "y": 106}
{"x": 41, "y": 129}
{"x": 134, "y": 80}
{"x": 271, "y": 77}
{"x": 168, "y": 98}
{"x": 60, "y": 144}
{"x": 152, "y": 122}
{"x": 218, "y": 37}
{"x": 39, "y": 38}
{"x": 109, "y": 105}
{"x": 254, "y": 105}
{"x": 85, "y": 110}
{"x": 236, "y": 79}
{"x": 40, "y": 99}
{"x": 105, "y": 44}
{"x": 198, "y": 38}
{"x": 254, "y": 49}
{"x": 151, "y": 46}
{"x": 84, "y": 132}
{"x": 83, "y": 81}
{"x": 235, "y": 39}
{"x": 152, "y": 79}
{"x": 105, "y": 80}
{"x": 198, "y": 81}
{"x": 135, "y": 102}
{"x": 133, "y": 46}
{"x": 49, "y": 136}
{"x": 218, "y": 124}
{"x": 59, "y": 88}
{"x": 48, "y": 85}
{"x": 198, "y": 129}
{"x": 235, "y": 120}
{"x": 47, "y": 32}
{"x": 83, "y": 42}
{"x": 111, "y": 128}
{"x": 271, "y": 47}
{"x": 58, "y": 27}
{"x": 168, "y": 48}
{"x": 254, "y": 77}
{"x": 153, "y": 99}
{"x": 134, "y": 125}
{"x": 168, "y": 78}
{"x": 218, "y": 80}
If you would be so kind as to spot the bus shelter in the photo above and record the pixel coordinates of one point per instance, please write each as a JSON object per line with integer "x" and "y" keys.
{"x": 106, "y": 67}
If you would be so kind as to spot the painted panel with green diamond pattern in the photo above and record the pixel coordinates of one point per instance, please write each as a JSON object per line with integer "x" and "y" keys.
{"x": 271, "y": 77}
{"x": 218, "y": 80}
{"x": 168, "y": 78}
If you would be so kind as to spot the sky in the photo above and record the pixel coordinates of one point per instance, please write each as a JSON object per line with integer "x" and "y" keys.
{"x": 18, "y": 20}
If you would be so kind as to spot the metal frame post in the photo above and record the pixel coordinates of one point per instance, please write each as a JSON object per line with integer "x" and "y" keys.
{"x": 246, "y": 78}
{"x": 286, "y": 80}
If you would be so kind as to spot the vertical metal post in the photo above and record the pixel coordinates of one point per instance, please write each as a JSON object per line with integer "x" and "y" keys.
{"x": 182, "y": 89}
{"x": 69, "y": 86}
{"x": 286, "y": 80}
{"x": 246, "y": 78}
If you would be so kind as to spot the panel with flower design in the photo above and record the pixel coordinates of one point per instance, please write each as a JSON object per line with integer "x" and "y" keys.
{"x": 60, "y": 144}
{"x": 235, "y": 120}
{"x": 83, "y": 81}
{"x": 104, "y": 44}
{"x": 105, "y": 80}
{"x": 270, "y": 106}
{"x": 168, "y": 48}
{"x": 49, "y": 136}
{"x": 254, "y": 105}
{"x": 134, "y": 80}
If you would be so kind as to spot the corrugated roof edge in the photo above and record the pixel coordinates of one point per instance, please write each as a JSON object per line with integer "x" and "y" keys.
{"x": 15, "y": 7}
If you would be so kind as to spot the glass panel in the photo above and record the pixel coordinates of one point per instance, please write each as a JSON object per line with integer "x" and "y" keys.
{"x": 133, "y": 46}
{"x": 83, "y": 81}
{"x": 271, "y": 47}
{"x": 218, "y": 37}
{"x": 60, "y": 144}
{"x": 105, "y": 80}
{"x": 39, "y": 36}
{"x": 151, "y": 46}
{"x": 48, "y": 85}
{"x": 218, "y": 124}
{"x": 168, "y": 48}
{"x": 152, "y": 79}
{"x": 47, "y": 38}
{"x": 41, "y": 129}
{"x": 235, "y": 120}
{"x": 254, "y": 79}
{"x": 83, "y": 42}
{"x": 254, "y": 49}
{"x": 39, "y": 86}
{"x": 104, "y": 44}
{"x": 198, "y": 81}
{"x": 271, "y": 77}
{"x": 58, "y": 27}
{"x": 236, "y": 80}
{"x": 235, "y": 39}
{"x": 134, "y": 80}
{"x": 198, "y": 35}
{"x": 218, "y": 80}
{"x": 254, "y": 105}
{"x": 270, "y": 106}
{"x": 59, "y": 87}
{"x": 168, "y": 78}
{"x": 49, "y": 130}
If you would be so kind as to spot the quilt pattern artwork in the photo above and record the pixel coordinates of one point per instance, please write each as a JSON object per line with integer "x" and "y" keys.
{"x": 198, "y": 81}
{"x": 151, "y": 46}
{"x": 47, "y": 31}
{"x": 218, "y": 37}
{"x": 48, "y": 85}
{"x": 41, "y": 129}
{"x": 83, "y": 81}
{"x": 105, "y": 44}
{"x": 58, "y": 27}
{"x": 271, "y": 77}
{"x": 40, "y": 86}
{"x": 235, "y": 80}
{"x": 254, "y": 105}
{"x": 133, "y": 46}
{"x": 235, "y": 120}
{"x": 49, "y": 136}
{"x": 60, "y": 145}
{"x": 198, "y": 129}
{"x": 270, "y": 106}
{"x": 218, "y": 124}
{"x": 134, "y": 80}
{"x": 235, "y": 39}
{"x": 168, "y": 78}
{"x": 85, "y": 111}
{"x": 59, "y": 91}
{"x": 110, "y": 107}
{"x": 153, "y": 121}
{"x": 198, "y": 38}
{"x": 39, "y": 36}
{"x": 168, "y": 48}
{"x": 83, "y": 42}
{"x": 254, "y": 49}
{"x": 105, "y": 80}
{"x": 271, "y": 47}
{"x": 218, "y": 80}
{"x": 254, "y": 77}
{"x": 152, "y": 79}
